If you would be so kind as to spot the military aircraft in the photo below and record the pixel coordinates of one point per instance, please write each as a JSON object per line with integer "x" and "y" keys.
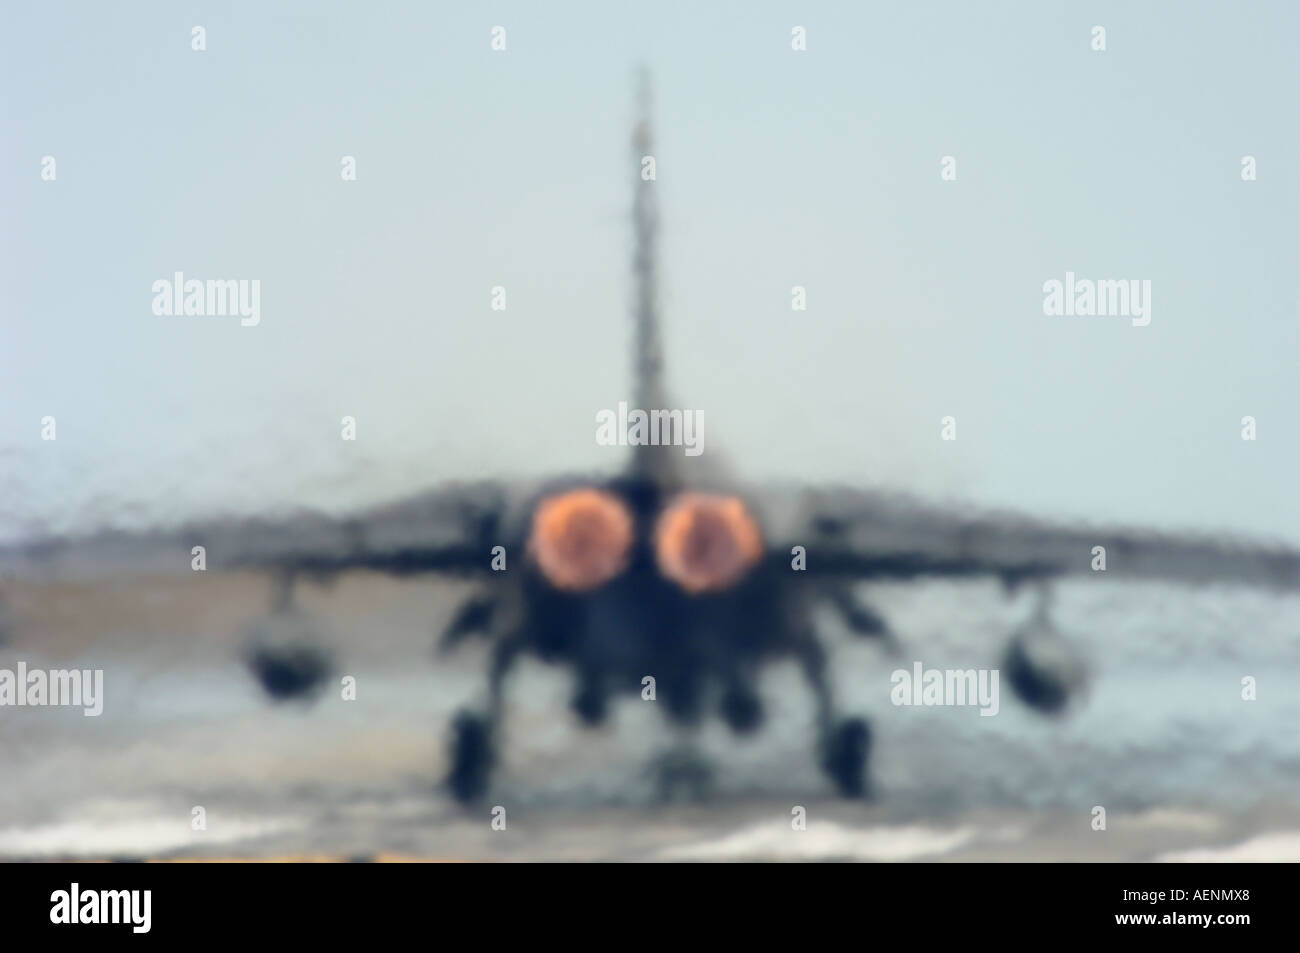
{"x": 694, "y": 583}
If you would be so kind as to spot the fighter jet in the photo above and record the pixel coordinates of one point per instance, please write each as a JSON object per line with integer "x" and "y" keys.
{"x": 658, "y": 573}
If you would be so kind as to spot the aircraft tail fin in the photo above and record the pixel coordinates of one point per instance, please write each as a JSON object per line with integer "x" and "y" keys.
{"x": 649, "y": 390}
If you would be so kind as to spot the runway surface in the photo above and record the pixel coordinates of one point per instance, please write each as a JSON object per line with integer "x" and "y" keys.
{"x": 1185, "y": 768}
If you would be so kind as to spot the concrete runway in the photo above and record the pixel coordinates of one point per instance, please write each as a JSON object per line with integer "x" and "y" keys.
{"x": 1183, "y": 766}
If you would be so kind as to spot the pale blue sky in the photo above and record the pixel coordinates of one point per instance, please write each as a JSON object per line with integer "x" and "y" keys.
{"x": 776, "y": 168}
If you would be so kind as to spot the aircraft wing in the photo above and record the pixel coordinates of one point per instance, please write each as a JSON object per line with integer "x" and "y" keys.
{"x": 865, "y": 534}
{"x": 845, "y": 532}
{"x": 449, "y": 529}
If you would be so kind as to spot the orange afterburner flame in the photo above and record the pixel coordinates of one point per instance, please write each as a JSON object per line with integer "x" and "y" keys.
{"x": 581, "y": 538}
{"x": 705, "y": 542}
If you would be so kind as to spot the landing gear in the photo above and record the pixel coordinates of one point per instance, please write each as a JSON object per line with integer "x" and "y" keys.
{"x": 845, "y": 742}
{"x": 473, "y": 741}
{"x": 471, "y": 757}
{"x": 844, "y": 756}
{"x": 741, "y": 709}
{"x": 589, "y": 701}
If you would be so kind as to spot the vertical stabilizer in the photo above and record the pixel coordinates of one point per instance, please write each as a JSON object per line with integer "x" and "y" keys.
{"x": 649, "y": 392}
